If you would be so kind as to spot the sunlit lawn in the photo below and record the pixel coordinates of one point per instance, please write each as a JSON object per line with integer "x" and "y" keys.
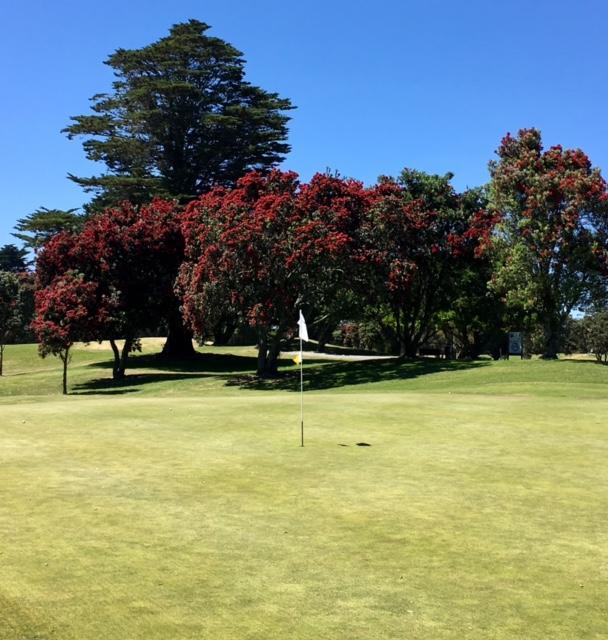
{"x": 179, "y": 504}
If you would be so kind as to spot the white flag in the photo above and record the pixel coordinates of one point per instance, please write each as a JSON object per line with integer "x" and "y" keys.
{"x": 302, "y": 330}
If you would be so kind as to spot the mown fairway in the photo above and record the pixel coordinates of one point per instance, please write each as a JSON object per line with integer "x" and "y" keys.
{"x": 181, "y": 506}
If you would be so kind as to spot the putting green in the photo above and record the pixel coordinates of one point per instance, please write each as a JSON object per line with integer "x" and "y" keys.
{"x": 179, "y": 504}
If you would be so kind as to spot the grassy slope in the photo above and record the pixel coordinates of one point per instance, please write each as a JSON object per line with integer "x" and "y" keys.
{"x": 180, "y": 506}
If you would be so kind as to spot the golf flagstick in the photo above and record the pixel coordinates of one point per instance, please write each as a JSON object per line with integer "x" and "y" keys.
{"x": 303, "y": 335}
{"x": 301, "y": 397}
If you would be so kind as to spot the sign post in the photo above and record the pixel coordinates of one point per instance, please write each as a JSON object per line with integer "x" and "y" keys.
{"x": 516, "y": 346}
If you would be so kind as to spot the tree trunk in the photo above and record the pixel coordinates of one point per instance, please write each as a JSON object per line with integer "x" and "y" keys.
{"x": 471, "y": 345}
{"x": 179, "y": 338}
{"x": 408, "y": 344}
{"x": 551, "y": 348}
{"x": 478, "y": 344}
{"x": 262, "y": 355}
{"x": 552, "y": 339}
{"x": 408, "y": 348}
{"x": 65, "y": 359}
{"x": 272, "y": 363}
{"x": 222, "y": 332}
{"x": 402, "y": 348}
{"x": 126, "y": 349}
{"x": 325, "y": 333}
{"x": 116, "y": 363}
{"x": 120, "y": 358}
{"x": 268, "y": 356}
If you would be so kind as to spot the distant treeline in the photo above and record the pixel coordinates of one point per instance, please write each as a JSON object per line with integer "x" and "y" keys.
{"x": 194, "y": 231}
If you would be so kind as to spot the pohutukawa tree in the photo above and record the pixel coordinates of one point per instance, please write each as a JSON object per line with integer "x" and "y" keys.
{"x": 550, "y": 246}
{"x": 475, "y": 319}
{"x": 236, "y": 249}
{"x": 131, "y": 255}
{"x": 67, "y": 312}
{"x": 327, "y": 251}
{"x": 266, "y": 247}
{"x": 418, "y": 232}
{"x": 180, "y": 119}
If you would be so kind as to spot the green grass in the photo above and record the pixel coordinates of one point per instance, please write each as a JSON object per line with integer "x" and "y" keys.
{"x": 179, "y": 504}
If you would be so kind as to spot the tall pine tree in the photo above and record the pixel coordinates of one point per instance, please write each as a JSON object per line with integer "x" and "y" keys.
{"x": 37, "y": 228}
{"x": 181, "y": 117}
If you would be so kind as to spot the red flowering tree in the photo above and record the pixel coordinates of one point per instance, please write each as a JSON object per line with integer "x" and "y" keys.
{"x": 66, "y": 312}
{"x": 262, "y": 249}
{"x": 417, "y": 233}
{"x": 549, "y": 247}
{"x": 327, "y": 253}
{"x": 475, "y": 321}
{"x": 132, "y": 255}
{"x": 236, "y": 254}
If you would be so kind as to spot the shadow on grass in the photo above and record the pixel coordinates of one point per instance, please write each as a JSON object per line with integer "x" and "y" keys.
{"x": 341, "y": 374}
{"x": 238, "y": 371}
{"x": 129, "y": 384}
{"x": 202, "y": 365}
{"x": 200, "y": 362}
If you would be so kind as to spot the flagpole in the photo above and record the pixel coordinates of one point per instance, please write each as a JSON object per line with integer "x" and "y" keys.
{"x": 301, "y": 397}
{"x": 303, "y": 335}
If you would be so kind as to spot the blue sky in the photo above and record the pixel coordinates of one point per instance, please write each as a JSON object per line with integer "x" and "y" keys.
{"x": 379, "y": 85}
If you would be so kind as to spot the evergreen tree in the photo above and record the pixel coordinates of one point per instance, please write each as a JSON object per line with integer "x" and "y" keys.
{"x": 181, "y": 117}
{"x": 10, "y": 309}
{"x": 37, "y": 228}
{"x": 13, "y": 259}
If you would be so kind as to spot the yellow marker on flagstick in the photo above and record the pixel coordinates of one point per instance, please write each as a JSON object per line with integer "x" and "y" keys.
{"x": 297, "y": 358}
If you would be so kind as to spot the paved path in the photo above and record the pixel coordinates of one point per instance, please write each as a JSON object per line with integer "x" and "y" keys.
{"x": 316, "y": 355}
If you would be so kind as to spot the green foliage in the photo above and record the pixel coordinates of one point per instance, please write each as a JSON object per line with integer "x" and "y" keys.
{"x": 548, "y": 249}
{"x": 10, "y": 304}
{"x": 37, "y": 228}
{"x": 180, "y": 118}
{"x": 10, "y": 309}
{"x": 372, "y": 328}
{"x": 364, "y": 335}
{"x": 596, "y": 335}
{"x": 475, "y": 320}
{"x": 13, "y": 259}
{"x": 424, "y": 238}
{"x": 575, "y": 339}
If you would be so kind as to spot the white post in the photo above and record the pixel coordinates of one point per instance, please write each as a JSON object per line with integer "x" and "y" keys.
{"x": 301, "y": 397}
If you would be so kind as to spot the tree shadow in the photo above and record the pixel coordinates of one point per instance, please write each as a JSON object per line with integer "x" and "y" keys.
{"x": 129, "y": 384}
{"x": 329, "y": 375}
{"x": 200, "y": 362}
{"x": 239, "y": 371}
{"x": 202, "y": 365}
{"x": 100, "y": 392}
